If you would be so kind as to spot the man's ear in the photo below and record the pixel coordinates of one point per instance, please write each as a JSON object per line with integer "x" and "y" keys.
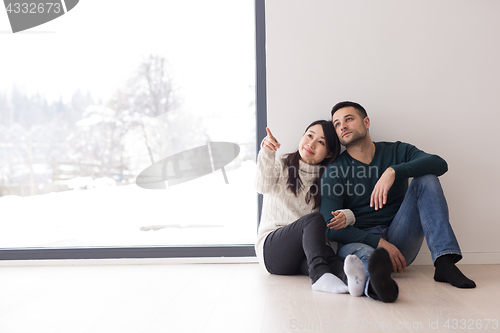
{"x": 366, "y": 121}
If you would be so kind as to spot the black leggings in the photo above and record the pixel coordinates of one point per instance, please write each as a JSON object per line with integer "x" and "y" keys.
{"x": 300, "y": 248}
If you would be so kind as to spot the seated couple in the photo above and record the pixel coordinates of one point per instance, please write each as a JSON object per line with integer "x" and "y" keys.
{"x": 360, "y": 199}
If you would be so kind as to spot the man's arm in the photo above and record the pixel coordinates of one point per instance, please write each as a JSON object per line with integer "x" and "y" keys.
{"x": 352, "y": 234}
{"x": 417, "y": 163}
{"x": 414, "y": 163}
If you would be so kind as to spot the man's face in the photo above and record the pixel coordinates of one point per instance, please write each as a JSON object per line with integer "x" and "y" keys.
{"x": 349, "y": 125}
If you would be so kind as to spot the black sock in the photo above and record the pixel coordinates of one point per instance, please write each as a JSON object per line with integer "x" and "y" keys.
{"x": 446, "y": 271}
{"x": 380, "y": 268}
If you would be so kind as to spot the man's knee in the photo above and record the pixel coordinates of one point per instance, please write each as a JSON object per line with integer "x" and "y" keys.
{"x": 430, "y": 181}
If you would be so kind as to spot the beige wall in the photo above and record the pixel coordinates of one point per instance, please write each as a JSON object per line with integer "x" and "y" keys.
{"x": 428, "y": 73}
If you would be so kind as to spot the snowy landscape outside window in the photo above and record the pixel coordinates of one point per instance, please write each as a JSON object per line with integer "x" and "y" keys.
{"x": 85, "y": 109}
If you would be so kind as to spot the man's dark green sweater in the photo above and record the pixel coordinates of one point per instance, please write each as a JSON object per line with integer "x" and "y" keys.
{"x": 348, "y": 184}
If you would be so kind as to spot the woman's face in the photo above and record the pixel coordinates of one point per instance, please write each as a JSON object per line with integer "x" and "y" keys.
{"x": 312, "y": 146}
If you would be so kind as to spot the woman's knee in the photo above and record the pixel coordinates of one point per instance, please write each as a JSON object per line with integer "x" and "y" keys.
{"x": 316, "y": 219}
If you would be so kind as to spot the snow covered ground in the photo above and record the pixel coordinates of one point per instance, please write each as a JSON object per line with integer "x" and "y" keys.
{"x": 204, "y": 211}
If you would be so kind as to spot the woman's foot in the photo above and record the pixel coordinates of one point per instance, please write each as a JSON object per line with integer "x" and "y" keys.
{"x": 331, "y": 284}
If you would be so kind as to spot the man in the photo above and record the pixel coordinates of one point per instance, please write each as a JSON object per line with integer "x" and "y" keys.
{"x": 371, "y": 179}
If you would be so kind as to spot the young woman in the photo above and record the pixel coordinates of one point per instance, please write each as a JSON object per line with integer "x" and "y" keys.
{"x": 291, "y": 238}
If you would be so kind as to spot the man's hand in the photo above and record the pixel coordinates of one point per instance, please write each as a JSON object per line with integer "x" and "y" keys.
{"x": 398, "y": 261}
{"x": 379, "y": 194}
{"x": 338, "y": 221}
{"x": 270, "y": 142}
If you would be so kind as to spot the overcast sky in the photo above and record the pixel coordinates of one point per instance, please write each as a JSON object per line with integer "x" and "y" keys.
{"x": 97, "y": 45}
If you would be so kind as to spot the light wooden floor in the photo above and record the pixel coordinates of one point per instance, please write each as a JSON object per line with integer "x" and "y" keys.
{"x": 231, "y": 298}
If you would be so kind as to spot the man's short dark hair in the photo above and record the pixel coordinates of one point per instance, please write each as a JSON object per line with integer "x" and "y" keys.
{"x": 361, "y": 110}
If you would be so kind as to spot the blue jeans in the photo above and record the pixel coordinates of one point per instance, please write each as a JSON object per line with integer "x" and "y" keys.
{"x": 423, "y": 213}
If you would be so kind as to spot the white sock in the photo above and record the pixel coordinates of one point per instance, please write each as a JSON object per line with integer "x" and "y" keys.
{"x": 356, "y": 275}
{"x": 331, "y": 284}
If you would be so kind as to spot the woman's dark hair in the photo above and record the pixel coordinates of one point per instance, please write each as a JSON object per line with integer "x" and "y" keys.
{"x": 291, "y": 162}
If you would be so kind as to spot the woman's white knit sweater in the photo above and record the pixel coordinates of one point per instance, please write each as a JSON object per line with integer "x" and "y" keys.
{"x": 281, "y": 207}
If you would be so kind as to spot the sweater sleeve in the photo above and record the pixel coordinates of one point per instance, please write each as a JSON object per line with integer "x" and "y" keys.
{"x": 416, "y": 163}
{"x": 352, "y": 234}
{"x": 330, "y": 200}
{"x": 349, "y": 216}
{"x": 268, "y": 171}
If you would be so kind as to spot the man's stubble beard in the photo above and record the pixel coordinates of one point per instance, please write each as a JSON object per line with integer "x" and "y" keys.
{"x": 355, "y": 138}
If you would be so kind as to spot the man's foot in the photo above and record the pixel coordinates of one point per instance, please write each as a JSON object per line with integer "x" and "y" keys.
{"x": 446, "y": 271}
{"x": 331, "y": 284}
{"x": 356, "y": 275}
{"x": 380, "y": 268}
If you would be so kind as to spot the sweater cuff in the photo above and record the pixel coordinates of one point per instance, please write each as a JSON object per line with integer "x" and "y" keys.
{"x": 349, "y": 216}
{"x": 266, "y": 153}
{"x": 262, "y": 142}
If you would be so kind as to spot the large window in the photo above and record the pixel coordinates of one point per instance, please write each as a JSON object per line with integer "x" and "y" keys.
{"x": 130, "y": 124}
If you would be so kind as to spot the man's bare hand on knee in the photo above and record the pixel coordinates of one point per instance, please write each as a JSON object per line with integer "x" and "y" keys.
{"x": 398, "y": 261}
